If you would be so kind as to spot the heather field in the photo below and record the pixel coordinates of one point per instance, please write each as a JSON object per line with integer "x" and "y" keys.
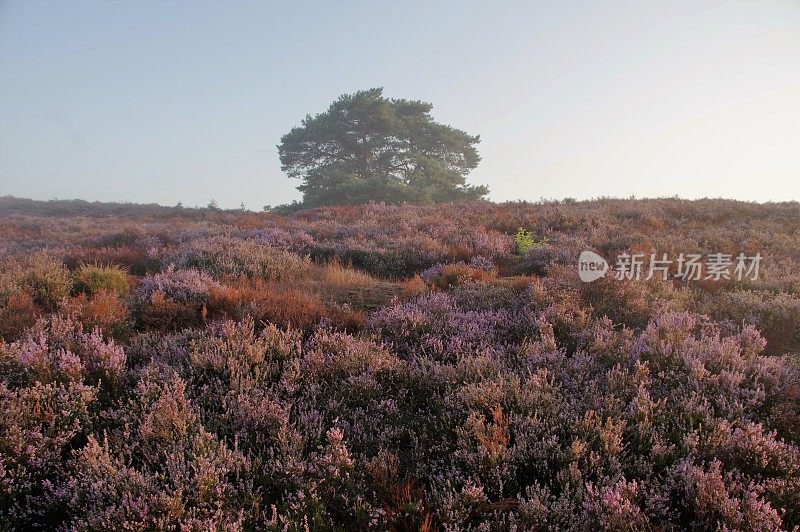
{"x": 399, "y": 367}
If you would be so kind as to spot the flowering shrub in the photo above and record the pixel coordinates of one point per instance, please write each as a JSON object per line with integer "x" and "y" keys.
{"x": 777, "y": 316}
{"x": 57, "y": 350}
{"x": 236, "y": 257}
{"x": 297, "y": 241}
{"x": 178, "y": 285}
{"x": 538, "y": 259}
{"x": 173, "y": 298}
{"x": 434, "y": 326}
{"x": 38, "y": 427}
{"x": 160, "y": 469}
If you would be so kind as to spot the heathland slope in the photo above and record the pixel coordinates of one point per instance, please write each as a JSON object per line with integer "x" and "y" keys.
{"x": 400, "y": 367}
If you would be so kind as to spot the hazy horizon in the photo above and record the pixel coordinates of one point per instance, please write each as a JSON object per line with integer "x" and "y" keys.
{"x": 178, "y": 101}
{"x": 533, "y": 201}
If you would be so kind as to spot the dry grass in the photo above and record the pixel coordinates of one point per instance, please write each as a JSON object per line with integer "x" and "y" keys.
{"x": 343, "y": 285}
{"x": 281, "y": 304}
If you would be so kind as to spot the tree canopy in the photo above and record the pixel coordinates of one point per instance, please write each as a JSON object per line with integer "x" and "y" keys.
{"x": 369, "y": 148}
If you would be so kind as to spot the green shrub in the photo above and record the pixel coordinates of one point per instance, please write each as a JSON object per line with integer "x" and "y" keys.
{"x": 524, "y": 241}
{"x": 92, "y": 278}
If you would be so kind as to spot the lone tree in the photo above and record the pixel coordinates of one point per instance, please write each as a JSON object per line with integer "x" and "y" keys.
{"x": 367, "y": 147}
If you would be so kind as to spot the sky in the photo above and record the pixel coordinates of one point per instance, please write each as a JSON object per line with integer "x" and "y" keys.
{"x": 165, "y": 101}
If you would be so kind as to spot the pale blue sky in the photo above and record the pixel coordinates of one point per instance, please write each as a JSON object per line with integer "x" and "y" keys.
{"x": 164, "y": 101}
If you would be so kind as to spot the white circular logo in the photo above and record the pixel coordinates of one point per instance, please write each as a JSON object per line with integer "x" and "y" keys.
{"x": 591, "y": 266}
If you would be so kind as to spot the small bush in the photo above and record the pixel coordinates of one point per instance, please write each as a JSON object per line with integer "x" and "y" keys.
{"x": 17, "y": 314}
{"x": 173, "y": 299}
{"x": 538, "y": 260}
{"x": 624, "y": 302}
{"x": 449, "y": 275}
{"x": 42, "y": 277}
{"x": 227, "y": 256}
{"x": 57, "y": 350}
{"x": 178, "y": 285}
{"x": 91, "y": 279}
{"x": 525, "y": 241}
{"x": 413, "y": 287}
{"x": 103, "y": 310}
